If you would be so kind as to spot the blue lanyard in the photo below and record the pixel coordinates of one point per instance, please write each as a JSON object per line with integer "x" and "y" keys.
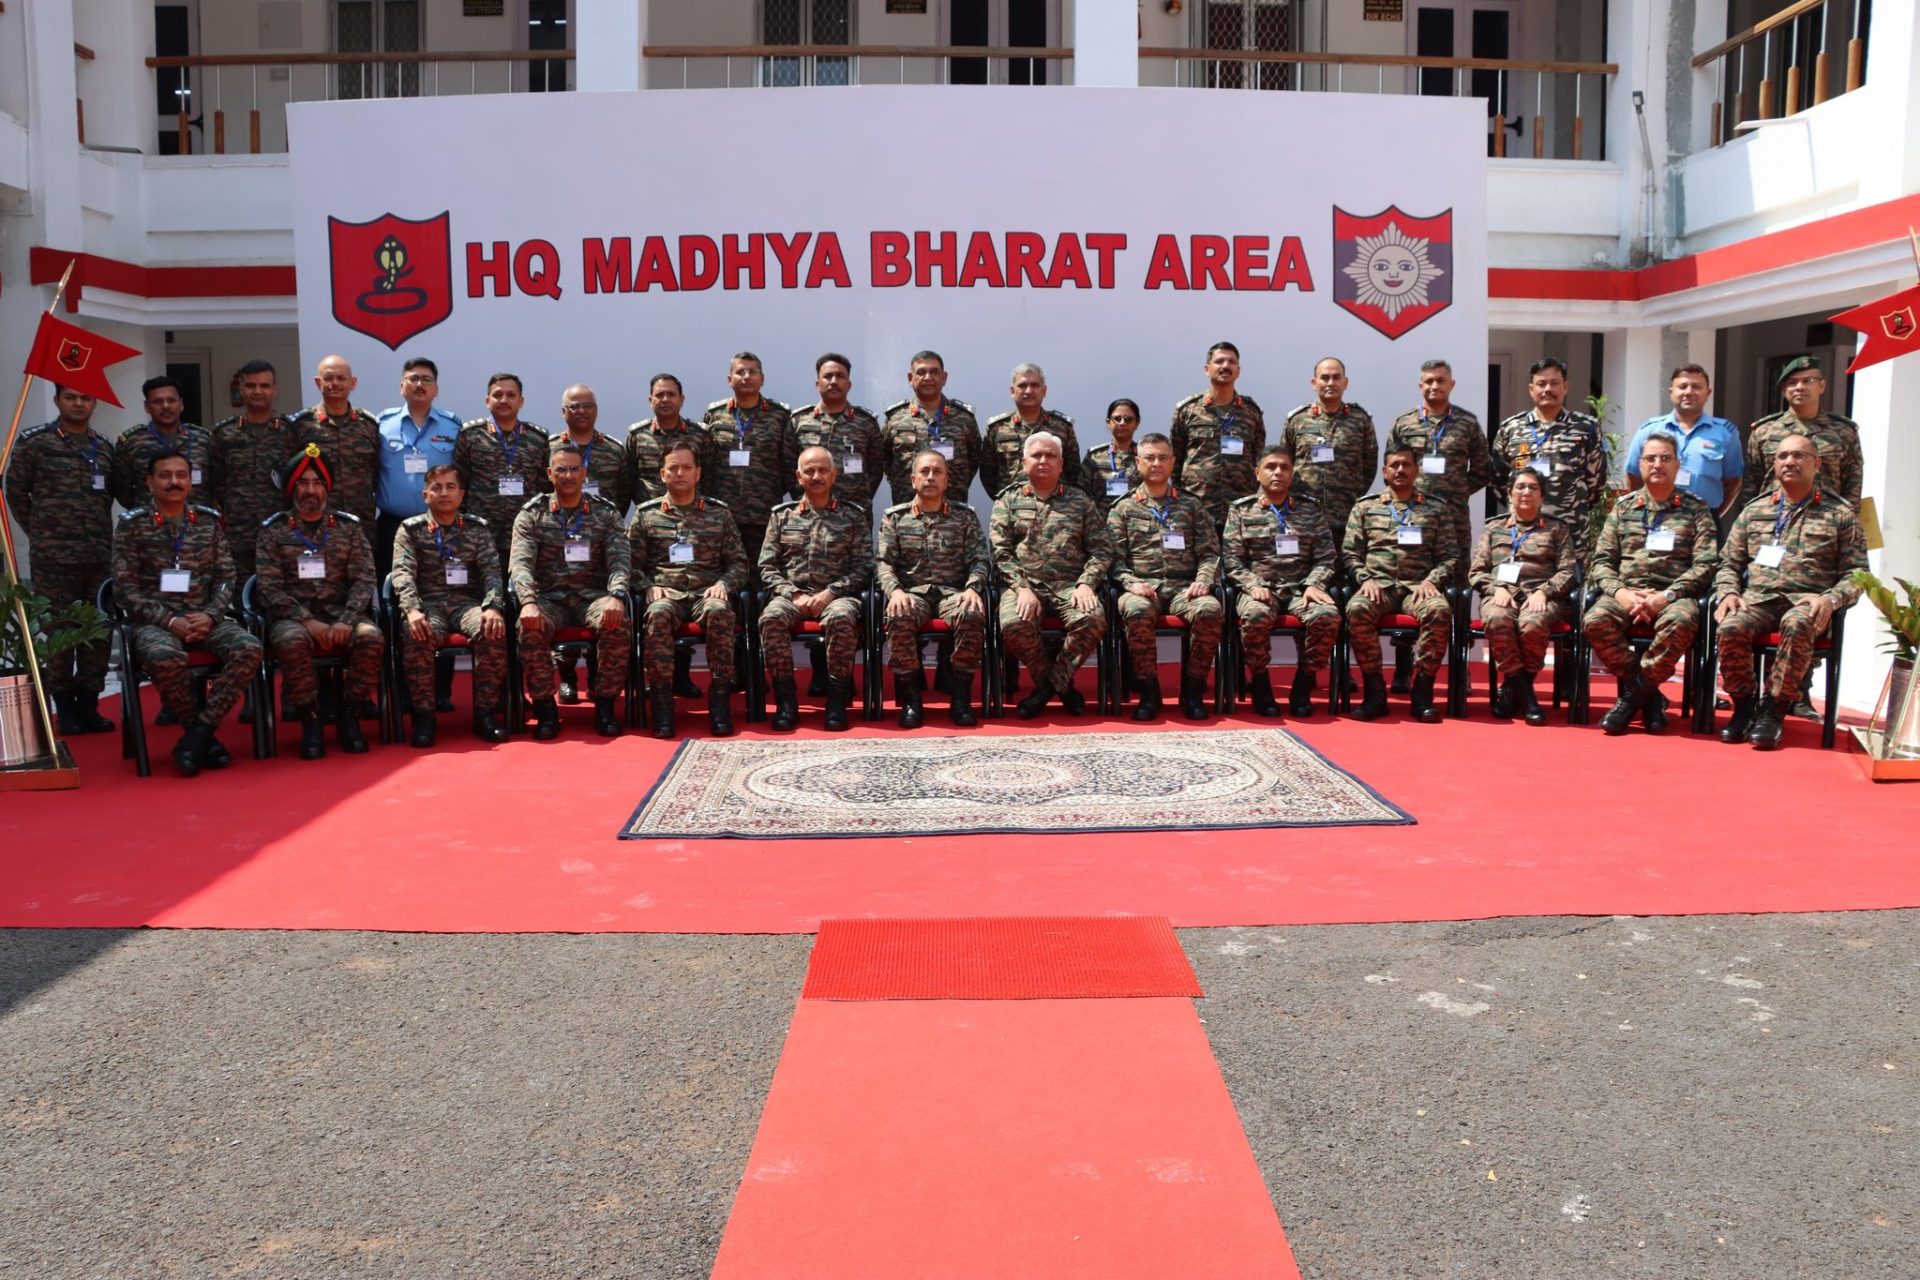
{"x": 185, "y": 446}
{"x": 586, "y": 457}
{"x": 571, "y": 528}
{"x": 317, "y": 548}
{"x": 1281, "y": 514}
{"x": 1162, "y": 513}
{"x": 511, "y": 450}
{"x": 1651, "y": 523}
{"x": 1786, "y": 515}
{"x": 1226, "y": 425}
{"x": 179, "y": 540}
{"x": 440, "y": 542}
{"x": 1113, "y": 465}
{"x": 933, "y": 428}
{"x": 739, "y": 429}
{"x": 1539, "y": 438}
{"x": 1439, "y": 430}
{"x": 1518, "y": 536}
{"x": 93, "y": 447}
{"x": 1402, "y": 517}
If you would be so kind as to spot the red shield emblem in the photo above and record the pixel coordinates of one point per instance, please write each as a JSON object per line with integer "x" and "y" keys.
{"x": 1391, "y": 269}
{"x": 74, "y": 356}
{"x": 392, "y": 277}
{"x": 1898, "y": 324}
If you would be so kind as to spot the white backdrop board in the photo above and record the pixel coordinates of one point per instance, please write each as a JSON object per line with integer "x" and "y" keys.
{"x": 1109, "y": 235}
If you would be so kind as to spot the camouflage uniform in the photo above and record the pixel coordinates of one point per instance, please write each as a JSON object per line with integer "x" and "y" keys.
{"x": 607, "y": 471}
{"x": 351, "y": 445}
{"x": 951, "y": 432}
{"x": 853, "y": 437}
{"x": 1253, "y": 543}
{"x": 748, "y": 491}
{"x": 1205, "y": 439}
{"x": 1139, "y": 527}
{"x": 1099, "y": 471}
{"x": 57, "y": 489}
{"x": 1517, "y": 638}
{"x": 709, "y": 528}
{"x": 1569, "y": 457}
{"x": 245, "y": 457}
{"x": 1825, "y": 544}
{"x": 933, "y": 556}
{"x": 1621, "y": 559}
{"x": 1006, "y": 435}
{"x": 1837, "y": 439}
{"x": 807, "y": 551}
{"x": 342, "y": 595}
{"x": 1459, "y": 442}
{"x": 1336, "y": 481}
{"x": 485, "y": 459}
{"x": 145, "y": 545}
{"x": 1049, "y": 546}
{"x": 570, "y": 592}
{"x": 646, "y": 453}
{"x": 425, "y": 555}
{"x": 1374, "y": 553}
{"x": 137, "y": 444}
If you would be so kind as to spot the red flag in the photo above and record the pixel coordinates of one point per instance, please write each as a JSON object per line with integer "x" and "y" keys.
{"x": 1890, "y": 326}
{"x": 69, "y": 355}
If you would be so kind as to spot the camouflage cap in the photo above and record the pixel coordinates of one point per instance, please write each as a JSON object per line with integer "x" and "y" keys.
{"x": 300, "y": 463}
{"x": 1798, "y": 364}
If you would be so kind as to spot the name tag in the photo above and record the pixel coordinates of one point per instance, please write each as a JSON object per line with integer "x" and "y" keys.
{"x": 1286, "y": 544}
{"x": 175, "y": 582}
{"x": 1543, "y": 465}
{"x": 1232, "y": 446}
{"x": 512, "y": 487}
{"x": 739, "y": 457}
{"x": 1116, "y": 486}
{"x": 591, "y": 488}
{"x": 1683, "y": 477}
{"x": 1660, "y": 540}
{"x": 944, "y": 448}
{"x": 1433, "y": 464}
{"x": 1322, "y": 453}
{"x": 414, "y": 464}
{"x": 194, "y": 475}
{"x": 311, "y": 565}
{"x": 680, "y": 553}
{"x": 1508, "y": 572}
{"x": 1771, "y": 555}
{"x": 1408, "y": 537}
{"x": 1174, "y": 540}
{"x": 456, "y": 574}
{"x": 853, "y": 465}
{"x": 99, "y": 482}
{"x": 578, "y": 552}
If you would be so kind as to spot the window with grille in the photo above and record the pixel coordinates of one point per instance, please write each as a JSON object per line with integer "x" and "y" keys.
{"x": 803, "y": 22}
{"x": 1267, "y": 26}
{"x": 377, "y": 26}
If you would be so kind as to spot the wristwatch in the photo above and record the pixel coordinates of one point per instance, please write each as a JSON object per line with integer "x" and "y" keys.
{"x": 1668, "y": 593}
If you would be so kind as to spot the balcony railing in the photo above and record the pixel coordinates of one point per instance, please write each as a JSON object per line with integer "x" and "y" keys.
{"x": 1783, "y": 64}
{"x": 217, "y": 87}
{"x": 787, "y": 65}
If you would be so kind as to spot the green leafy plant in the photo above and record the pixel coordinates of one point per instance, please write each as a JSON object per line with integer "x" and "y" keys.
{"x": 54, "y": 630}
{"x": 1601, "y": 407}
{"x": 1903, "y": 619}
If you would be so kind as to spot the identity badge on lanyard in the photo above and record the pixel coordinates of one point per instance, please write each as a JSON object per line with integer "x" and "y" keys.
{"x": 98, "y": 478}
{"x": 1433, "y": 462}
{"x": 852, "y": 464}
{"x": 1405, "y": 531}
{"x": 1537, "y": 460}
{"x": 935, "y": 441}
{"x": 1171, "y": 539}
{"x": 1774, "y": 553}
{"x": 1118, "y": 484}
{"x": 1510, "y": 570}
{"x": 313, "y": 557}
{"x": 681, "y": 550}
{"x": 511, "y": 485}
{"x": 577, "y": 549}
{"x": 1322, "y": 452}
{"x": 177, "y": 580}
{"x": 449, "y": 557}
{"x": 1284, "y": 543}
{"x": 592, "y": 487}
{"x": 1658, "y": 539}
{"x": 1231, "y": 443}
{"x": 414, "y": 463}
{"x": 739, "y": 455}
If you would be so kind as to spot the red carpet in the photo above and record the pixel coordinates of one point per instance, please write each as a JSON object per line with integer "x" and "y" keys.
{"x": 1058, "y": 958}
{"x": 521, "y": 838}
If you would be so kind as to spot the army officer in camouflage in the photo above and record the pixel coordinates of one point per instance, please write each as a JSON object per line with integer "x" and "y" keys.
{"x": 1001, "y": 457}
{"x": 932, "y": 561}
{"x": 1803, "y": 386}
{"x": 348, "y": 437}
{"x": 1523, "y": 571}
{"x": 1562, "y": 445}
{"x": 849, "y": 433}
{"x": 1280, "y": 555}
{"x": 930, "y": 420}
{"x": 1217, "y": 434}
{"x": 447, "y": 582}
{"x": 164, "y": 431}
{"x": 1167, "y": 556}
{"x": 502, "y": 461}
{"x": 1450, "y": 443}
{"x": 1400, "y": 549}
{"x": 746, "y": 464}
{"x": 1109, "y": 472}
{"x": 816, "y": 563}
{"x": 1334, "y": 444}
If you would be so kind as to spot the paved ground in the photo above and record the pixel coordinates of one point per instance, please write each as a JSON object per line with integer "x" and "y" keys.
{"x": 1717, "y": 1098}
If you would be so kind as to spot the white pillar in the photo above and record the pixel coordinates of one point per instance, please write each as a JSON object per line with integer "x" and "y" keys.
{"x": 1883, "y": 398}
{"x": 1639, "y": 32}
{"x": 1106, "y": 43}
{"x": 1631, "y": 378}
{"x": 609, "y": 37}
{"x": 1894, "y": 86}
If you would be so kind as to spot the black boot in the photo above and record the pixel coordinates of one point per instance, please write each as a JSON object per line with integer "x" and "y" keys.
{"x": 86, "y": 709}
{"x": 961, "y": 712}
{"x": 1619, "y": 717}
{"x": 1374, "y": 704}
{"x": 605, "y": 722}
{"x": 187, "y": 753}
{"x": 1036, "y": 702}
{"x": 67, "y": 720}
{"x": 546, "y": 720}
{"x": 720, "y": 707}
{"x": 683, "y": 685}
{"x": 1193, "y": 697}
{"x": 1148, "y": 705}
{"x": 1526, "y": 703}
{"x": 347, "y": 730}
{"x": 426, "y": 729}
{"x": 1802, "y": 699}
{"x": 1506, "y": 693}
{"x": 1767, "y": 728}
{"x": 443, "y": 684}
{"x": 1655, "y": 714}
{"x": 313, "y": 738}
{"x": 568, "y": 675}
{"x": 1402, "y": 667}
{"x": 1421, "y": 698}
{"x": 1072, "y": 701}
{"x": 839, "y": 694}
{"x": 817, "y": 672}
{"x": 906, "y": 692}
{"x": 487, "y": 728}
{"x": 1736, "y": 729}
{"x": 786, "y": 705}
{"x": 1261, "y": 686}
{"x": 213, "y": 755}
{"x": 1300, "y": 695}
{"x": 662, "y": 712}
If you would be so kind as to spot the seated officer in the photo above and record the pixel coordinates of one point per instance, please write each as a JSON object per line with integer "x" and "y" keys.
{"x": 1051, "y": 549}
{"x": 1655, "y": 555}
{"x": 1167, "y": 555}
{"x": 816, "y": 562}
{"x": 173, "y": 574}
{"x": 569, "y": 569}
{"x": 1523, "y": 569}
{"x": 314, "y": 569}
{"x": 1789, "y": 564}
{"x": 1280, "y": 554}
{"x": 446, "y": 581}
{"x": 1399, "y": 546}
{"x": 687, "y": 557}
{"x": 933, "y": 558}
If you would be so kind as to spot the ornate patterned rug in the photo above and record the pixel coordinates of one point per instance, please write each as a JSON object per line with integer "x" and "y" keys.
{"x": 1052, "y": 783}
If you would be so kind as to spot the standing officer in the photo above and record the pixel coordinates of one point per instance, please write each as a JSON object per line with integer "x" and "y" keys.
{"x": 1711, "y": 466}
{"x": 502, "y": 460}
{"x": 933, "y": 559}
{"x": 1523, "y": 570}
{"x": 569, "y": 568}
{"x": 929, "y": 420}
{"x": 173, "y": 575}
{"x": 349, "y": 438}
{"x": 687, "y": 555}
{"x": 1109, "y": 472}
{"x": 1655, "y": 555}
{"x": 746, "y": 441}
{"x": 1399, "y": 547}
{"x": 1280, "y": 554}
{"x": 57, "y": 488}
{"x": 246, "y": 450}
{"x": 647, "y": 444}
{"x": 846, "y": 431}
{"x": 1802, "y": 385}
{"x": 816, "y": 561}
{"x": 1335, "y": 447}
{"x": 316, "y": 588}
{"x": 604, "y": 457}
{"x": 1217, "y": 433}
{"x": 1167, "y": 555}
{"x": 1560, "y": 444}
{"x": 447, "y": 581}
{"x": 162, "y": 432}
{"x": 1001, "y": 456}
{"x": 415, "y": 437}
{"x": 1788, "y": 567}
{"x": 1051, "y": 549}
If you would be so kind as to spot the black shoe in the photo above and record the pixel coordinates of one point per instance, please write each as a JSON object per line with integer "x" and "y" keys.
{"x": 1654, "y": 714}
{"x": 1420, "y": 697}
{"x": 1767, "y": 728}
{"x": 347, "y": 730}
{"x": 1804, "y": 710}
{"x": 786, "y": 706}
{"x": 605, "y": 722}
{"x": 1736, "y": 729}
{"x": 719, "y": 707}
{"x": 1261, "y": 686}
{"x": 65, "y": 719}
{"x": 86, "y": 710}
{"x": 1529, "y": 705}
{"x": 214, "y": 756}
{"x": 486, "y": 728}
{"x": 839, "y": 694}
{"x": 546, "y": 720}
{"x": 426, "y": 731}
{"x": 1148, "y": 705}
{"x": 1300, "y": 695}
{"x": 1506, "y": 694}
{"x": 1374, "y": 704}
{"x": 1193, "y": 697}
{"x": 164, "y": 718}
{"x": 1619, "y": 717}
{"x": 961, "y": 712}
{"x": 907, "y": 690}
{"x": 188, "y": 752}
{"x": 683, "y": 685}
{"x": 662, "y": 712}
{"x": 1072, "y": 701}
{"x": 1034, "y": 703}
{"x": 313, "y": 738}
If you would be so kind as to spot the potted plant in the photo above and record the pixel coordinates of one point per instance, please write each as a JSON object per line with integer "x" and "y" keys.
{"x": 54, "y": 632}
{"x": 1902, "y": 709}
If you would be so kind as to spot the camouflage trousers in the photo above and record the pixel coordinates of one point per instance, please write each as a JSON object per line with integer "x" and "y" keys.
{"x": 1024, "y": 642}
{"x": 245, "y": 560}
{"x": 1364, "y": 616}
{"x": 969, "y": 630}
{"x": 294, "y": 650}
{"x": 1138, "y": 618}
{"x": 164, "y": 658}
{"x": 665, "y": 617}
{"x": 1517, "y": 640}
{"x": 489, "y": 656}
{"x": 612, "y": 645}
{"x": 1321, "y": 622}
{"x": 1610, "y": 630}
{"x": 82, "y": 669}
{"x": 1750, "y": 625}
{"x": 839, "y": 624}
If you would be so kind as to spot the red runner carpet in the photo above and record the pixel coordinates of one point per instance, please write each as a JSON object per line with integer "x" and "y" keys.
{"x": 1052, "y": 958}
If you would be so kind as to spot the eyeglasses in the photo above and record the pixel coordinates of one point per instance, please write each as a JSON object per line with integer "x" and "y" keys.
{"x": 1121, "y": 420}
{"x": 418, "y": 380}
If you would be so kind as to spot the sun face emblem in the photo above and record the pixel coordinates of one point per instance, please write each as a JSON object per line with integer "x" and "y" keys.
{"x": 1391, "y": 271}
